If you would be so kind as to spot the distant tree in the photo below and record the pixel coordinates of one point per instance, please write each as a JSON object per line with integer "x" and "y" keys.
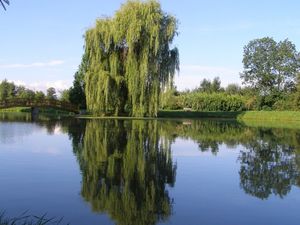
{"x": 270, "y": 66}
{"x": 169, "y": 98}
{"x": 65, "y": 95}
{"x": 233, "y": 89}
{"x": 23, "y": 92}
{"x": 216, "y": 85}
{"x": 20, "y": 90}
{"x": 7, "y": 90}
{"x": 39, "y": 95}
{"x": 77, "y": 91}
{"x": 2, "y": 3}
{"x": 297, "y": 94}
{"x": 51, "y": 93}
{"x": 210, "y": 86}
{"x": 205, "y": 85}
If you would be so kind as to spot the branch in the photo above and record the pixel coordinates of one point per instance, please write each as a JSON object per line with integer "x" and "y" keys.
{"x": 5, "y": 1}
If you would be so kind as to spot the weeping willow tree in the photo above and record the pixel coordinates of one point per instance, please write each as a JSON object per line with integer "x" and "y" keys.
{"x": 130, "y": 60}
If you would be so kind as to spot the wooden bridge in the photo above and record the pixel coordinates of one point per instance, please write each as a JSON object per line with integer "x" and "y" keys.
{"x": 34, "y": 104}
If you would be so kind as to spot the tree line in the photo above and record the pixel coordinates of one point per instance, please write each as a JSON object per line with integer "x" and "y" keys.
{"x": 271, "y": 81}
{"x": 130, "y": 71}
{"x": 9, "y": 90}
{"x": 129, "y": 63}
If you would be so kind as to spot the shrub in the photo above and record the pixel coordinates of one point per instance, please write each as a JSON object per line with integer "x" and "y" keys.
{"x": 212, "y": 102}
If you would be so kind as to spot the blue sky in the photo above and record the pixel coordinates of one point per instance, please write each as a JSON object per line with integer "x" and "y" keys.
{"x": 42, "y": 41}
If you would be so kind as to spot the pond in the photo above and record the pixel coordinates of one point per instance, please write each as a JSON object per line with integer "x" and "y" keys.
{"x": 146, "y": 172}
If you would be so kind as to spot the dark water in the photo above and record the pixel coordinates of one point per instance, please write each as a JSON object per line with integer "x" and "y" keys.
{"x": 135, "y": 172}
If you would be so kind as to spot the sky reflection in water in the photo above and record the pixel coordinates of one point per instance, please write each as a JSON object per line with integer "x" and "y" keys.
{"x": 149, "y": 172}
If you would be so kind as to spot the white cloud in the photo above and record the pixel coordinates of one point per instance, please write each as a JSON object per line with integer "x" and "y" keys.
{"x": 58, "y": 85}
{"x": 32, "y": 65}
{"x": 43, "y": 86}
{"x": 191, "y": 75}
{"x": 189, "y": 78}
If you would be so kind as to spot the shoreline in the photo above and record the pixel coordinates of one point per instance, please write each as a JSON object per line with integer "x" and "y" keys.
{"x": 248, "y": 118}
{"x": 268, "y": 119}
{"x": 284, "y": 116}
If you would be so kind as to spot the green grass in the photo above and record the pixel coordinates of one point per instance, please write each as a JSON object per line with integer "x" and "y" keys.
{"x": 55, "y": 111}
{"x": 16, "y": 109}
{"x": 275, "y": 116}
{"x": 50, "y": 111}
{"x": 272, "y": 119}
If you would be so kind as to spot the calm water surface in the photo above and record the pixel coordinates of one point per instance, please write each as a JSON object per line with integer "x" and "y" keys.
{"x": 135, "y": 172}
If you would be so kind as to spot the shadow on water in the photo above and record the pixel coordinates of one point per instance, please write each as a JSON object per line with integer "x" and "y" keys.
{"x": 127, "y": 167}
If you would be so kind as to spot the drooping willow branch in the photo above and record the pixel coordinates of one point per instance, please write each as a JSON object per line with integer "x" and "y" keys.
{"x": 4, "y": 1}
{"x": 130, "y": 60}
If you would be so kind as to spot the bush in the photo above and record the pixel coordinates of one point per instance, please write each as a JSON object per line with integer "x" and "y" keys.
{"x": 212, "y": 102}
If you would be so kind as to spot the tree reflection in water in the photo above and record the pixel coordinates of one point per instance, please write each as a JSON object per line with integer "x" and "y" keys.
{"x": 126, "y": 166}
{"x": 270, "y": 159}
{"x": 268, "y": 167}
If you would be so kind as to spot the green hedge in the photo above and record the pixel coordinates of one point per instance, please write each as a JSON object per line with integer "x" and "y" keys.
{"x": 212, "y": 102}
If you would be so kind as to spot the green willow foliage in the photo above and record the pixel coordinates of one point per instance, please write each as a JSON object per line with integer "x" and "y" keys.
{"x": 130, "y": 60}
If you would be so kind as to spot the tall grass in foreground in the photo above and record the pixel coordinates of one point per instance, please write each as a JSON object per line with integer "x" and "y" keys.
{"x": 25, "y": 219}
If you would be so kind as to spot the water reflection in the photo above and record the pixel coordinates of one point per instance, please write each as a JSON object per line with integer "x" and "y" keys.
{"x": 270, "y": 165}
{"x": 269, "y": 158}
{"x": 118, "y": 153}
{"x": 127, "y": 165}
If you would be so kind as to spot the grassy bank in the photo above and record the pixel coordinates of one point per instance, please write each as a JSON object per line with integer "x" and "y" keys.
{"x": 274, "y": 116}
{"x": 49, "y": 111}
{"x": 276, "y": 119}
{"x": 272, "y": 119}
{"x": 279, "y": 119}
{"x": 15, "y": 109}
